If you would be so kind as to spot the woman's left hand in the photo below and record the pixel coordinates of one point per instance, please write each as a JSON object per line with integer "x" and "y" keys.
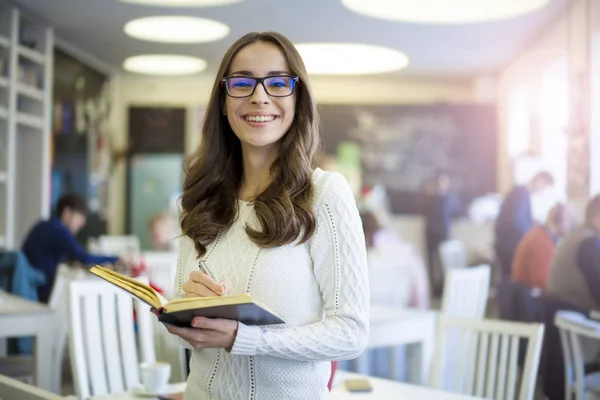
{"x": 208, "y": 333}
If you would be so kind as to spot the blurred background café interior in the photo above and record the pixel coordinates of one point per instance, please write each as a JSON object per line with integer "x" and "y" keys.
{"x": 468, "y": 131}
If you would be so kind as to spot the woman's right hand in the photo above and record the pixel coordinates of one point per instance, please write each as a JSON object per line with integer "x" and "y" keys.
{"x": 201, "y": 285}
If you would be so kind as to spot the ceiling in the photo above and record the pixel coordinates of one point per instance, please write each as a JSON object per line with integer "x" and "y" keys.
{"x": 96, "y": 27}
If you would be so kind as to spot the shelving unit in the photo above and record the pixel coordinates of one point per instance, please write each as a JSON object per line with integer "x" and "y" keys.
{"x": 26, "y": 62}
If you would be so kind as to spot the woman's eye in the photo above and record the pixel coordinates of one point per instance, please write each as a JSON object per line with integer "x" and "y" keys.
{"x": 241, "y": 84}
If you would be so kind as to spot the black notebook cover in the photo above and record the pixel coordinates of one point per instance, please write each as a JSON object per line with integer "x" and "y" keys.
{"x": 249, "y": 314}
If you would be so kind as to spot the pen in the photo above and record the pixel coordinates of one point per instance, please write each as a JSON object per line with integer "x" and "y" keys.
{"x": 204, "y": 268}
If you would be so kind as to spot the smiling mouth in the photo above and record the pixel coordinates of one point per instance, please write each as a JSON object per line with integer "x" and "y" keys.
{"x": 259, "y": 118}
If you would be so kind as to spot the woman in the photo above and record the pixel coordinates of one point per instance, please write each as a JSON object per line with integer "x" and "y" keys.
{"x": 265, "y": 222}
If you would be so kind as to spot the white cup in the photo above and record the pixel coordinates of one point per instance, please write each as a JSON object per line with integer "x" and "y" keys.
{"x": 155, "y": 376}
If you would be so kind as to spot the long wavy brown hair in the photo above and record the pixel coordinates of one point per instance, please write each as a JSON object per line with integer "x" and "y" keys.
{"x": 213, "y": 175}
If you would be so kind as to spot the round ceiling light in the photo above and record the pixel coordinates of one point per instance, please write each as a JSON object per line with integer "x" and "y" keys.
{"x": 444, "y": 11}
{"x": 183, "y": 3}
{"x": 176, "y": 29}
{"x": 162, "y": 64}
{"x": 350, "y": 58}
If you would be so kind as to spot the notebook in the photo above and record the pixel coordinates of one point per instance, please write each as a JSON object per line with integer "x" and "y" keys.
{"x": 180, "y": 312}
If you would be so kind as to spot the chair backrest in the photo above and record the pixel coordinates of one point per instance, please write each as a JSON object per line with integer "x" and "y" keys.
{"x": 103, "y": 349}
{"x": 13, "y": 389}
{"x": 453, "y": 254}
{"x": 162, "y": 269}
{"x": 59, "y": 302}
{"x": 466, "y": 292}
{"x": 574, "y": 327}
{"x": 126, "y": 244}
{"x": 482, "y": 370}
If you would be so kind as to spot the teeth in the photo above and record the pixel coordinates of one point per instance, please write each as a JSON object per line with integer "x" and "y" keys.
{"x": 259, "y": 118}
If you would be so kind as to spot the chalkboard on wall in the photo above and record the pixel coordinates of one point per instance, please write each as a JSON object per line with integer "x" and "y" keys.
{"x": 157, "y": 129}
{"x": 403, "y": 146}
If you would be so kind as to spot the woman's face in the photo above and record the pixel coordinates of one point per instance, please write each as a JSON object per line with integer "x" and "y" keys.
{"x": 261, "y": 120}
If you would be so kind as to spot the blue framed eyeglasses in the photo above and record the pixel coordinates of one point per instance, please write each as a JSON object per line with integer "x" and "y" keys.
{"x": 275, "y": 86}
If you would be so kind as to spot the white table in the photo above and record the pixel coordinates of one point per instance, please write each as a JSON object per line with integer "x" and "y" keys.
{"x": 21, "y": 317}
{"x": 178, "y": 387}
{"x": 392, "y": 327}
{"x": 383, "y": 389}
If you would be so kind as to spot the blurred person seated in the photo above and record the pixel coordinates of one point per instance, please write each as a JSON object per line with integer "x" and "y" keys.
{"x": 516, "y": 218}
{"x": 440, "y": 206}
{"x": 575, "y": 271}
{"x": 163, "y": 232}
{"x": 535, "y": 251}
{"x": 397, "y": 274}
{"x": 52, "y": 241}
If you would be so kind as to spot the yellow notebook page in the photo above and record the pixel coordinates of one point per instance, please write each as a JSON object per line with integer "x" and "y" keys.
{"x": 135, "y": 287}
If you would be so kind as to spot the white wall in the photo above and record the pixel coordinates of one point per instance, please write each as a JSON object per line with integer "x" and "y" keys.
{"x": 595, "y": 116}
{"x": 193, "y": 93}
{"x": 568, "y": 37}
{"x": 595, "y": 99}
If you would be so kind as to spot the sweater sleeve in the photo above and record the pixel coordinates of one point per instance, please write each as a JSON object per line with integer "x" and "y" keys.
{"x": 71, "y": 247}
{"x": 338, "y": 254}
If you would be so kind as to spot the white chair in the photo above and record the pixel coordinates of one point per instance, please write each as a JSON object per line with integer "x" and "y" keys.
{"x": 465, "y": 295}
{"x": 59, "y": 302}
{"x": 111, "y": 245}
{"x": 575, "y": 329}
{"x": 13, "y": 389}
{"x": 482, "y": 370}
{"x": 22, "y": 367}
{"x": 453, "y": 255}
{"x": 162, "y": 269}
{"x": 103, "y": 350}
{"x": 466, "y": 292}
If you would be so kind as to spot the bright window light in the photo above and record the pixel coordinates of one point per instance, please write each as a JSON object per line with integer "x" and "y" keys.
{"x": 162, "y": 64}
{"x": 444, "y": 11}
{"x": 176, "y": 29}
{"x": 350, "y": 59}
{"x": 554, "y": 120}
{"x": 519, "y": 124}
{"x": 183, "y": 3}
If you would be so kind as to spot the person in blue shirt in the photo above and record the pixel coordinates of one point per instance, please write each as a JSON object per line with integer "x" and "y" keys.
{"x": 52, "y": 241}
{"x": 515, "y": 219}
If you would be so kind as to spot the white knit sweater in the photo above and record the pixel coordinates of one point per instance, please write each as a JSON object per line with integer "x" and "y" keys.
{"x": 319, "y": 288}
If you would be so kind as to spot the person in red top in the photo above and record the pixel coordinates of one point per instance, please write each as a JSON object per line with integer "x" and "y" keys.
{"x": 535, "y": 251}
